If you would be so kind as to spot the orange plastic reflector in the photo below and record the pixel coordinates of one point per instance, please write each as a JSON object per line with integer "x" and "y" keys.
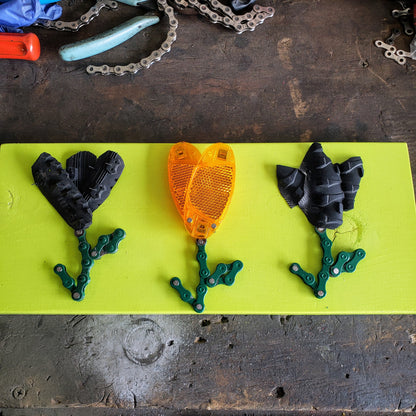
{"x": 183, "y": 157}
{"x": 202, "y": 189}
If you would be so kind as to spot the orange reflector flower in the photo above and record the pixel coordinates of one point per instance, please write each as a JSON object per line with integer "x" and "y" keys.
{"x": 201, "y": 186}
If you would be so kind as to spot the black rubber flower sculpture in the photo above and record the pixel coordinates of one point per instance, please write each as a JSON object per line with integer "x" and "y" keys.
{"x": 76, "y": 192}
{"x": 323, "y": 191}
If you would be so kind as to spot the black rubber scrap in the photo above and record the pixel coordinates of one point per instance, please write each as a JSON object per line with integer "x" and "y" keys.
{"x": 55, "y": 184}
{"x": 291, "y": 181}
{"x": 80, "y": 167}
{"x": 322, "y": 190}
{"x": 351, "y": 173}
{"x": 107, "y": 170}
{"x": 80, "y": 189}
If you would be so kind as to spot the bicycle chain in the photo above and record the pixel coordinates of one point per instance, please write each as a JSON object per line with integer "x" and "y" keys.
{"x": 344, "y": 263}
{"x": 397, "y": 55}
{"x": 220, "y": 14}
{"x": 390, "y": 52}
{"x": 75, "y": 25}
{"x": 248, "y": 21}
{"x": 155, "y": 56}
{"x": 226, "y": 17}
{"x": 107, "y": 244}
{"x": 224, "y": 274}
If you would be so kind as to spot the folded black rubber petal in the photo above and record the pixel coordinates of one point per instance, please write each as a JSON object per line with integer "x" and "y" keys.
{"x": 351, "y": 173}
{"x": 55, "y": 184}
{"x": 291, "y": 182}
{"x": 80, "y": 168}
{"x": 80, "y": 189}
{"x": 107, "y": 170}
{"x": 322, "y": 190}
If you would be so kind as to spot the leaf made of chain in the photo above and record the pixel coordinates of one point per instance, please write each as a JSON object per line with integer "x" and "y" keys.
{"x": 224, "y": 275}
{"x": 107, "y": 244}
{"x": 86, "y": 18}
{"x": 344, "y": 263}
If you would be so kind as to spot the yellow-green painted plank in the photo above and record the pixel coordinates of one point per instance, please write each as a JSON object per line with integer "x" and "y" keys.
{"x": 259, "y": 229}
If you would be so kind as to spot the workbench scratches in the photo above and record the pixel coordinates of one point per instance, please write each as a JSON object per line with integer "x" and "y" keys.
{"x": 300, "y": 107}
{"x": 143, "y": 344}
{"x": 283, "y": 49}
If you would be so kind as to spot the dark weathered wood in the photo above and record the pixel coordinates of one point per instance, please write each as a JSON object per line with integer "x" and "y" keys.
{"x": 310, "y": 73}
{"x": 299, "y": 76}
{"x": 236, "y": 363}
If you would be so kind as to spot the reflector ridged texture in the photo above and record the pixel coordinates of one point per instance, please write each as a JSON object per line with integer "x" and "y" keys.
{"x": 202, "y": 189}
{"x": 183, "y": 157}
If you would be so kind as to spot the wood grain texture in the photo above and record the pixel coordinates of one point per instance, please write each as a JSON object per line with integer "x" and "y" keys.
{"x": 309, "y": 73}
{"x": 209, "y": 363}
{"x": 299, "y": 76}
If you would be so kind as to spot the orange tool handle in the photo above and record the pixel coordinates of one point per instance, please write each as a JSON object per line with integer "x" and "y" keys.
{"x": 19, "y": 46}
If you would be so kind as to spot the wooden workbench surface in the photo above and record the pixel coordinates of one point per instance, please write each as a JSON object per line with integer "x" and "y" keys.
{"x": 310, "y": 73}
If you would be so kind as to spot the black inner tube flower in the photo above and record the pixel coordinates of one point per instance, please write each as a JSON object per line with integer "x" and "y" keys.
{"x": 322, "y": 190}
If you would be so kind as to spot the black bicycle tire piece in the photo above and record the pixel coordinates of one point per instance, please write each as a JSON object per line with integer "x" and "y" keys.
{"x": 80, "y": 167}
{"x": 57, "y": 187}
{"x": 108, "y": 169}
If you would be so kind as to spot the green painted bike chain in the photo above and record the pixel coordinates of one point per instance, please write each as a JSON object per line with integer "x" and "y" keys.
{"x": 345, "y": 262}
{"x": 224, "y": 275}
{"x": 107, "y": 244}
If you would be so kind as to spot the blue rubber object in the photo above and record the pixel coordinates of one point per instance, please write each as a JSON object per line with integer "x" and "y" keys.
{"x": 47, "y": 1}
{"x": 106, "y": 40}
{"x": 43, "y": 2}
{"x": 20, "y": 13}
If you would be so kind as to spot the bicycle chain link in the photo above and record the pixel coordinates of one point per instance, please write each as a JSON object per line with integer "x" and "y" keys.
{"x": 84, "y": 20}
{"x": 220, "y": 14}
{"x": 224, "y": 15}
{"x": 224, "y": 274}
{"x": 397, "y": 55}
{"x": 391, "y": 52}
{"x": 344, "y": 263}
{"x": 155, "y": 56}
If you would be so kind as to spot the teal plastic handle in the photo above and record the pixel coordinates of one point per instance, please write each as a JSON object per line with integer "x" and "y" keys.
{"x": 106, "y": 40}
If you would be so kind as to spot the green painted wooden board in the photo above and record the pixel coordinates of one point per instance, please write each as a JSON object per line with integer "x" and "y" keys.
{"x": 259, "y": 229}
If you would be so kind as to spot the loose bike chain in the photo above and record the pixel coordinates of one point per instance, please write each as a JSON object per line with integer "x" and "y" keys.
{"x": 212, "y": 9}
{"x": 224, "y": 15}
{"x": 86, "y": 18}
{"x": 391, "y": 52}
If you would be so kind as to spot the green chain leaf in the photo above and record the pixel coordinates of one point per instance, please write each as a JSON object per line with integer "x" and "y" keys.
{"x": 345, "y": 262}
{"x": 224, "y": 275}
{"x": 107, "y": 244}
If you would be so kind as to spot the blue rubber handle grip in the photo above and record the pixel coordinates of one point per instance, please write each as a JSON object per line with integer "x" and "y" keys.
{"x": 106, "y": 40}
